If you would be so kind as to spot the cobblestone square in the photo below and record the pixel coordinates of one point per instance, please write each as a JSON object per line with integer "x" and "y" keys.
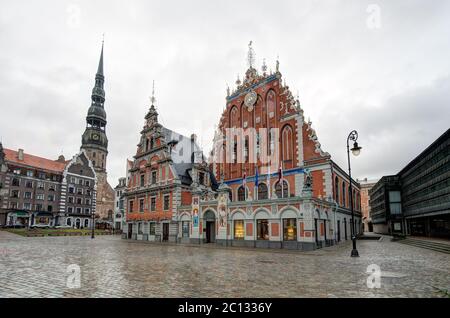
{"x": 112, "y": 267}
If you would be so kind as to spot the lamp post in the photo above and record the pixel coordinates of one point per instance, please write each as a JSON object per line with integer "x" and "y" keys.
{"x": 353, "y": 136}
{"x": 93, "y": 225}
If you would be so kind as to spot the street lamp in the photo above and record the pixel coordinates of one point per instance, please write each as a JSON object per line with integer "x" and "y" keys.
{"x": 93, "y": 225}
{"x": 356, "y": 150}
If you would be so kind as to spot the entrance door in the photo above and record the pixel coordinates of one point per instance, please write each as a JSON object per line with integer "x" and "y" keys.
{"x": 316, "y": 230}
{"x": 338, "y": 230}
{"x": 345, "y": 229}
{"x": 130, "y": 230}
{"x": 210, "y": 232}
{"x": 165, "y": 232}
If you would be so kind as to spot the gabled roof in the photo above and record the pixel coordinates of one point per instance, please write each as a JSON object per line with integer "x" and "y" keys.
{"x": 12, "y": 156}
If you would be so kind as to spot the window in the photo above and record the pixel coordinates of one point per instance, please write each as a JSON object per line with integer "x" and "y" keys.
{"x": 86, "y": 223}
{"x": 29, "y": 184}
{"x": 201, "y": 178}
{"x": 343, "y": 194}
{"x": 262, "y": 191}
{"x": 153, "y": 204}
{"x": 50, "y": 208}
{"x": 152, "y": 228}
{"x": 78, "y": 210}
{"x": 42, "y": 175}
{"x": 87, "y": 211}
{"x": 87, "y": 201}
{"x": 142, "y": 180}
{"x": 88, "y": 193}
{"x": 241, "y": 194}
{"x": 13, "y": 205}
{"x": 87, "y": 183}
{"x": 141, "y": 205}
{"x": 80, "y": 191}
{"x": 70, "y": 200}
{"x": 39, "y": 207}
{"x": 68, "y": 222}
{"x": 154, "y": 176}
{"x": 246, "y": 152}
{"x": 30, "y": 173}
{"x": 286, "y": 138}
{"x": 395, "y": 202}
{"x": 40, "y": 196}
{"x": 51, "y": 187}
{"x": 16, "y": 182}
{"x": 239, "y": 229}
{"x": 336, "y": 189}
{"x": 51, "y": 197}
{"x": 289, "y": 230}
{"x": 27, "y": 206}
{"x": 166, "y": 202}
{"x": 71, "y": 190}
{"x": 131, "y": 206}
{"x": 262, "y": 229}
{"x": 14, "y": 193}
{"x": 281, "y": 189}
{"x": 40, "y": 185}
{"x": 79, "y": 201}
{"x": 80, "y": 181}
{"x": 70, "y": 210}
{"x": 184, "y": 228}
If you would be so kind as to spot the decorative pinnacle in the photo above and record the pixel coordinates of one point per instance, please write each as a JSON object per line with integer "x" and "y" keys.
{"x": 264, "y": 66}
{"x": 278, "y": 64}
{"x": 153, "y": 99}
{"x": 238, "y": 81}
{"x": 250, "y": 55}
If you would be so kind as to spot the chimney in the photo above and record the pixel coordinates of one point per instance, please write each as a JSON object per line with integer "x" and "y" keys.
{"x": 20, "y": 154}
{"x": 61, "y": 158}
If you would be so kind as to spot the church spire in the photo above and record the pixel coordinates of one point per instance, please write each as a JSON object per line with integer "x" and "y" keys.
{"x": 100, "y": 63}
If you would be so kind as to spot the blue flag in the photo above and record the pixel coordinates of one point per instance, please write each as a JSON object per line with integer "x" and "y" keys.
{"x": 257, "y": 177}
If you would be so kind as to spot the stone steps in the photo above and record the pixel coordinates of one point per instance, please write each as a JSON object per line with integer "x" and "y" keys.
{"x": 435, "y": 246}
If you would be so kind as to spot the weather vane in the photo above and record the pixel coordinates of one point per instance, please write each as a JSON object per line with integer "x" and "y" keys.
{"x": 251, "y": 55}
{"x": 153, "y": 99}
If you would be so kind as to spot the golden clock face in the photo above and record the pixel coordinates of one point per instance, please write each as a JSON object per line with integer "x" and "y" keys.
{"x": 250, "y": 100}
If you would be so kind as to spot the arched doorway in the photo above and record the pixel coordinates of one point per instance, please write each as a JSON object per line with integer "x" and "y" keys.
{"x": 78, "y": 223}
{"x": 209, "y": 219}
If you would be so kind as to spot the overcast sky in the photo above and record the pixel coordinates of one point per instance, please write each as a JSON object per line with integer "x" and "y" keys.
{"x": 380, "y": 67}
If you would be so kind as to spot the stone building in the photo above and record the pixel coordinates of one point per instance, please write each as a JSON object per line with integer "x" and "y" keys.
{"x": 95, "y": 144}
{"x": 34, "y": 190}
{"x": 366, "y": 185}
{"x": 277, "y": 187}
{"x": 416, "y": 201}
{"x": 166, "y": 169}
{"x": 119, "y": 207}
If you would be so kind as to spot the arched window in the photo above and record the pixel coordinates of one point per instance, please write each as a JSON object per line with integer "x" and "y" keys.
{"x": 343, "y": 194}
{"x": 86, "y": 222}
{"x": 336, "y": 189}
{"x": 270, "y": 102}
{"x": 241, "y": 194}
{"x": 263, "y": 193}
{"x": 286, "y": 143}
{"x": 234, "y": 117}
{"x": 68, "y": 222}
{"x": 279, "y": 187}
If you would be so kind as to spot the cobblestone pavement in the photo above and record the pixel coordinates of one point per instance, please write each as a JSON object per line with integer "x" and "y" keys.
{"x": 111, "y": 267}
